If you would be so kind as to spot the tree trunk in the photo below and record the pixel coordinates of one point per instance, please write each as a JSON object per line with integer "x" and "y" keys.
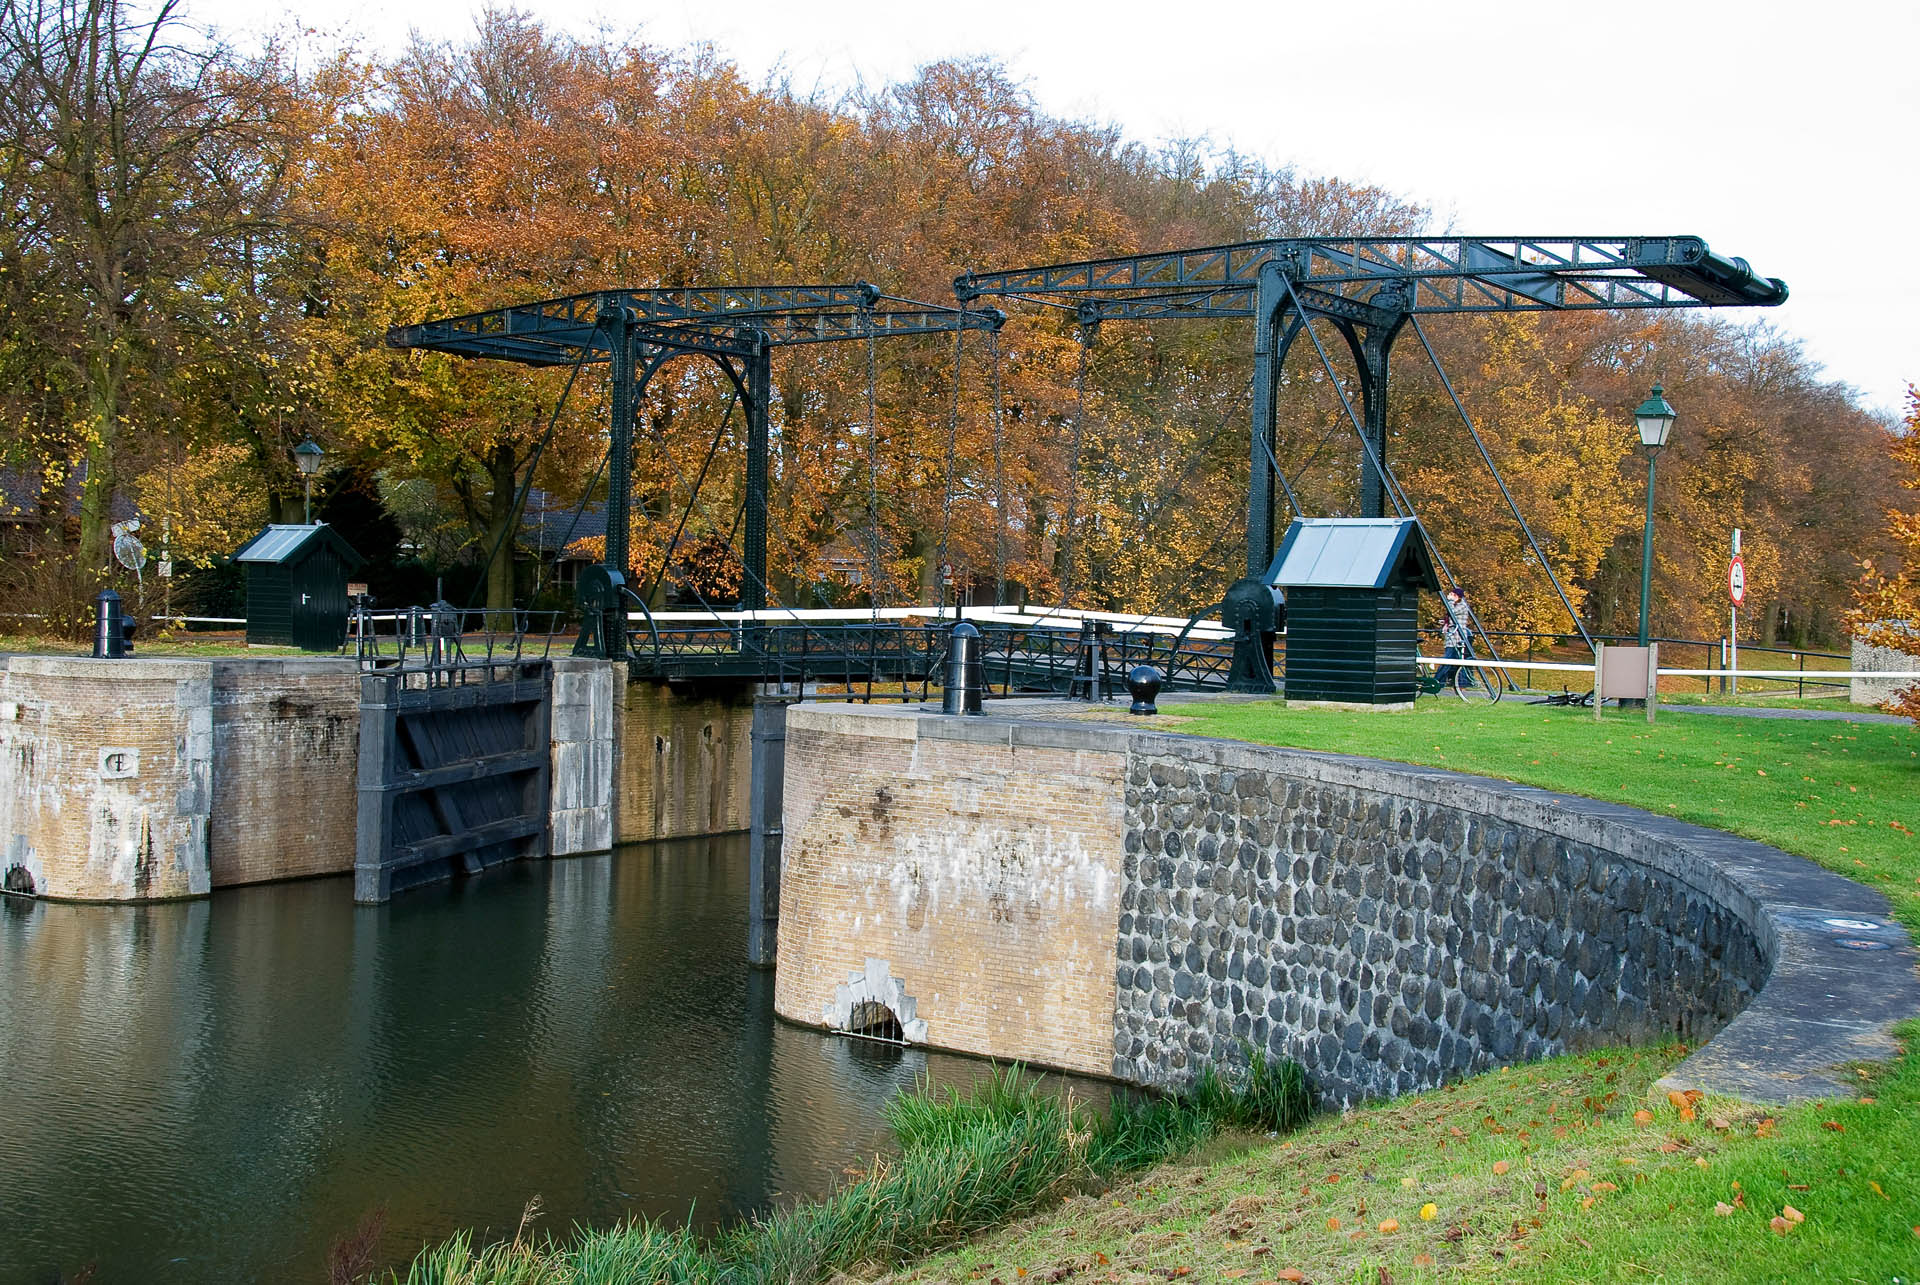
{"x": 503, "y": 482}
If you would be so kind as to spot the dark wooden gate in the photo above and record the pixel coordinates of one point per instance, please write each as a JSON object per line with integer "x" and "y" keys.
{"x": 454, "y": 772}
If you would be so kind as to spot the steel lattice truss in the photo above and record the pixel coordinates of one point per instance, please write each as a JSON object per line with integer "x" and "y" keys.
{"x": 728, "y": 321}
{"x": 1343, "y": 277}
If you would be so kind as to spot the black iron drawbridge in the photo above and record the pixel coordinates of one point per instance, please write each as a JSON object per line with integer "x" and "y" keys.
{"x": 1368, "y": 290}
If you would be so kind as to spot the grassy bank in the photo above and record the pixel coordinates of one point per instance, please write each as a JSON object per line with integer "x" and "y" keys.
{"x": 964, "y": 1164}
{"x": 1567, "y": 1170}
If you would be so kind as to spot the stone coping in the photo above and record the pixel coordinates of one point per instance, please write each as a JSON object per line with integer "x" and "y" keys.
{"x": 1840, "y": 970}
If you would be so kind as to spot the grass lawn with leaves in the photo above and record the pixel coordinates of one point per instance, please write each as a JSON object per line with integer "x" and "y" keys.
{"x": 168, "y": 646}
{"x": 1573, "y": 1169}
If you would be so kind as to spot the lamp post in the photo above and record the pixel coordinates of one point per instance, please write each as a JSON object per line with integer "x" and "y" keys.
{"x": 1655, "y": 420}
{"x": 308, "y": 456}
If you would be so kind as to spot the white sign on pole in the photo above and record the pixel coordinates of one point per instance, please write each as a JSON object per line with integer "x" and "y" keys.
{"x": 1737, "y": 580}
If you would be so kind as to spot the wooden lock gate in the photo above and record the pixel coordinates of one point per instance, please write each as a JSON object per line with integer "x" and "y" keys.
{"x": 455, "y": 768}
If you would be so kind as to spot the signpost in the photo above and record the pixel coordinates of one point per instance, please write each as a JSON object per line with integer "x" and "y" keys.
{"x": 1737, "y": 595}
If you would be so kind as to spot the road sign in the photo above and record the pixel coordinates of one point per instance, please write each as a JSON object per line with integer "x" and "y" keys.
{"x": 1737, "y": 580}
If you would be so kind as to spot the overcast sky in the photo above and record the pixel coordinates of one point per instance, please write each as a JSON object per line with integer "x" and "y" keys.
{"x": 1783, "y": 133}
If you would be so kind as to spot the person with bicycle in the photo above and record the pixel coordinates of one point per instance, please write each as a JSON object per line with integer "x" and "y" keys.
{"x": 1456, "y": 632}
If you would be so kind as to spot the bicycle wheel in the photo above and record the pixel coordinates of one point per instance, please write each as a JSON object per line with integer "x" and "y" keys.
{"x": 1471, "y": 684}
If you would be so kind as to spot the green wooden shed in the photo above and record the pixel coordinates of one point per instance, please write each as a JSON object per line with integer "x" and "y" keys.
{"x": 297, "y": 586}
{"x": 1353, "y": 593}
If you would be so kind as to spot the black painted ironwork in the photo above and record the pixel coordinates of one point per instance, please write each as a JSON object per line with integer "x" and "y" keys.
{"x": 636, "y": 332}
{"x": 1368, "y": 289}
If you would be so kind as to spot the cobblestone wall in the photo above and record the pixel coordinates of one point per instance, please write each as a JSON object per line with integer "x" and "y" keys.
{"x": 1389, "y": 943}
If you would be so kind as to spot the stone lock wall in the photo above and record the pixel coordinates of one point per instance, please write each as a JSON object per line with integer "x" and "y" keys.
{"x": 286, "y": 747}
{"x": 105, "y": 786}
{"x": 984, "y": 879}
{"x": 1110, "y": 899}
{"x": 685, "y": 766}
{"x": 1391, "y": 943}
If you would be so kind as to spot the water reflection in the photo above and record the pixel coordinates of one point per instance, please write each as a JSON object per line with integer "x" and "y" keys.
{"x": 216, "y": 1090}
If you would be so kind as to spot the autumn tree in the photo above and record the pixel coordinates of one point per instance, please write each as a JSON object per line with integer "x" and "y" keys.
{"x": 1886, "y": 610}
{"x": 113, "y": 124}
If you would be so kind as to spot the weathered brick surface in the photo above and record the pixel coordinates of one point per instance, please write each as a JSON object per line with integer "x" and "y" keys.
{"x": 987, "y": 877}
{"x": 104, "y": 777}
{"x": 684, "y": 763}
{"x": 286, "y": 744}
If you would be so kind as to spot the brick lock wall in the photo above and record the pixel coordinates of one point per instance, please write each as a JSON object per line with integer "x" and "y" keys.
{"x": 104, "y": 777}
{"x": 987, "y": 877}
{"x": 286, "y": 743}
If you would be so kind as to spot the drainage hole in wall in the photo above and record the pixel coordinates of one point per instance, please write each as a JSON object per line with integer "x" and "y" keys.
{"x": 872, "y": 1020}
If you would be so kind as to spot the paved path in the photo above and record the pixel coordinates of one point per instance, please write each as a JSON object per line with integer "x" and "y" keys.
{"x": 1774, "y": 711}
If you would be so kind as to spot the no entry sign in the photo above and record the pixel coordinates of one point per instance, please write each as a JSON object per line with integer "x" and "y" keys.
{"x": 1737, "y": 581}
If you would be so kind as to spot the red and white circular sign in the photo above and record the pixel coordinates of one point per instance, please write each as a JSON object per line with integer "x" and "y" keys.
{"x": 1737, "y": 581}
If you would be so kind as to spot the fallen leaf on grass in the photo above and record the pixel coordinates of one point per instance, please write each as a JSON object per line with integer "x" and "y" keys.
{"x": 1722, "y": 1208}
{"x": 1423, "y": 1260}
{"x": 1876, "y": 1191}
{"x": 1780, "y": 1225}
{"x": 1290, "y": 1274}
{"x": 1429, "y": 1211}
{"x": 1720, "y": 1123}
{"x": 1643, "y": 1118}
{"x": 1792, "y": 1215}
{"x": 1599, "y": 1187}
{"x": 1333, "y": 1224}
{"x": 1834, "y": 1125}
{"x": 1235, "y": 1274}
{"x": 1388, "y": 1226}
{"x": 1500, "y": 1167}
{"x": 1681, "y": 1104}
{"x": 1700, "y": 1162}
{"x": 1406, "y": 1182}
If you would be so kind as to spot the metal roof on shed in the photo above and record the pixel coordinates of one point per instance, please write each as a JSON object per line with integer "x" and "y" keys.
{"x": 1350, "y": 553}
{"x": 284, "y": 542}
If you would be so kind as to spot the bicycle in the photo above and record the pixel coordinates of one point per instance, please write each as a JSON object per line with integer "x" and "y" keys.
{"x": 1582, "y": 700}
{"x": 1470, "y": 683}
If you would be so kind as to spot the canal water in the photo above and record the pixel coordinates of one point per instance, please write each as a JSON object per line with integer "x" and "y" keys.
{"x": 219, "y": 1090}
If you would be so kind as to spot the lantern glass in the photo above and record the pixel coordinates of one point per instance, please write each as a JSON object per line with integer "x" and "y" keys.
{"x": 308, "y": 456}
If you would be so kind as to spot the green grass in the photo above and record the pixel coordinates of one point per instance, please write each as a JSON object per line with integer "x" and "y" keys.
{"x": 1845, "y": 794}
{"x": 173, "y": 645}
{"x": 1586, "y": 1191}
{"x": 965, "y": 1164}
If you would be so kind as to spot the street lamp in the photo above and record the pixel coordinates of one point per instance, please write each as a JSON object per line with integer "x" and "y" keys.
{"x": 1655, "y": 420}
{"x": 308, "y": 456}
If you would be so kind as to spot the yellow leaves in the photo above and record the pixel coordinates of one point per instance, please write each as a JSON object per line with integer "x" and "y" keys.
{"x": 1429, "y": 1211}
{"x": 1878, "y": 1192}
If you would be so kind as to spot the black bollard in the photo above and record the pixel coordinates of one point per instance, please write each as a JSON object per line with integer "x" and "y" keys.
{"x": 965, "y": 672}
{"x": 1143, "y": 681}
{"x": 109, "y": 627}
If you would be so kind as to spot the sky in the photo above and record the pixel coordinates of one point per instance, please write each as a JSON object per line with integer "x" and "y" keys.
{"x": 1780, "y": 133}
